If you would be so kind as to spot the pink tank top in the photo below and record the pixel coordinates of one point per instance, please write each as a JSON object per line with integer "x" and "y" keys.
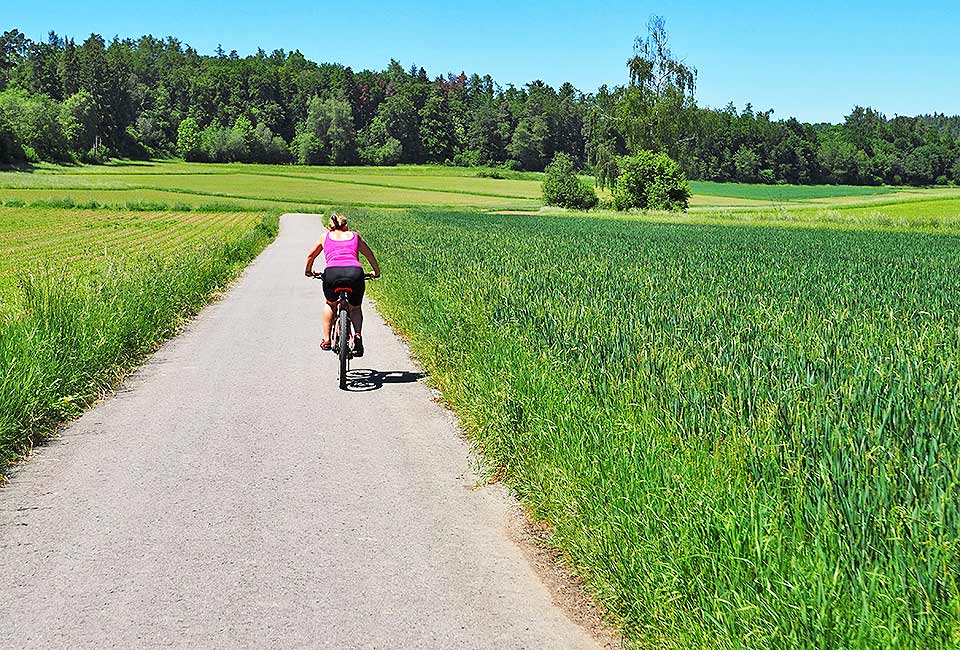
{"x": 341, "y": 253}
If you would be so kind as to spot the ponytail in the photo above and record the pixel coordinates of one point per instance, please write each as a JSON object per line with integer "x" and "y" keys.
{"x": 337, "y": 221}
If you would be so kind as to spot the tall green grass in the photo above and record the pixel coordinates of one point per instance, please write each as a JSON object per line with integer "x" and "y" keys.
{"x": 742, "y": 436}
{"x": 76, "y": 330}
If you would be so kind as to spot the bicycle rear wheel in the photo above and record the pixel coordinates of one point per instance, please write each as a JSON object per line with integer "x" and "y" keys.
{"x": 343, "y": 342}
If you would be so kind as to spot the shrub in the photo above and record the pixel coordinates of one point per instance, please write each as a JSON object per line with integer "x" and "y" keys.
{"x": 650, "y": 181}
{"x": 606, "y": 204}
{"x": 387, "y": 154}
{"x": 766, "y": 176}
{"x": 96, "y": 156}
{"x": 468, "y": 158}
{"x": 563, "y": 188}
{"x": 265, "y": 147}
{"x": 223, "y": 144}
{"x": 512, "y": 165}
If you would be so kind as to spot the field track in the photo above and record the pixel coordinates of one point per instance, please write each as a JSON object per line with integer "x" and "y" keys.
{"x": 214, "y": 502}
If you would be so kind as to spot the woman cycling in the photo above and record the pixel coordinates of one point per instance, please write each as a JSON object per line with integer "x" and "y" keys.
{"x": 340, "y": 249}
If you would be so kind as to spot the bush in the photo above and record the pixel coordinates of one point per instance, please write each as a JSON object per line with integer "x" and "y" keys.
{"x": 468, "y": 158}
{"x": 223, "y": 145}
{"x": 96, "y": 156}
{"x": 563, "y": 188}
{"x": 766, "y": 176}
{"x": 387, "y": 154}
{"x": 265, "y": 147}
{"x": 512, "y": 165}
{"x": 650, "y": 181}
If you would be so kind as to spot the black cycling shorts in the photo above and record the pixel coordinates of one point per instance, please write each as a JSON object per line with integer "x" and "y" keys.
{"x": 351, "y": 277}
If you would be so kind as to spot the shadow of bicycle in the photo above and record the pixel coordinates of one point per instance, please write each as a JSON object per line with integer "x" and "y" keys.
{"x": 361, "y": 380}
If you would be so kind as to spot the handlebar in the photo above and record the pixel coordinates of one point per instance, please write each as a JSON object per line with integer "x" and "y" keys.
{"x": 366, "y": 276}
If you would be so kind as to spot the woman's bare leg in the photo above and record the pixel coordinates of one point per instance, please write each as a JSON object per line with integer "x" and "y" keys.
{"x": 327, "y": 321}
{"x": 356, "y": 316}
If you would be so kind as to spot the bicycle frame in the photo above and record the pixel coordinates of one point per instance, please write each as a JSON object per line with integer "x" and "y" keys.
{"x": 342, "y": 305}
{"x": 341, "y": 329}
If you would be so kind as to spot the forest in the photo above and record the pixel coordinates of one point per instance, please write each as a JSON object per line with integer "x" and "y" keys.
{"x": 64, "y": 101}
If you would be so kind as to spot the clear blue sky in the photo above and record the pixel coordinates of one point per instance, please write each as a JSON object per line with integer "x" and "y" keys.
{"x": 812, "y": 60}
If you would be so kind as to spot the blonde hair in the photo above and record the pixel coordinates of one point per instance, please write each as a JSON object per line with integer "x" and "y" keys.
{"x": 337, "y": 221}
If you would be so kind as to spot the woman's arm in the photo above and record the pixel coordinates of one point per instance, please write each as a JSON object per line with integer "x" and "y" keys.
{"x": 312, "y": 256}
{"x": 363, "y": 248}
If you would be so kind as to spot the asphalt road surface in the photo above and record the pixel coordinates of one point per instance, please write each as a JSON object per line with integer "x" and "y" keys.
{"x": 229, "y": 495}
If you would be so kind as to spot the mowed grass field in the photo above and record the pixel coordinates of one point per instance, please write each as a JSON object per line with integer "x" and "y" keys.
{"x": 277, "y": 187}
{"x": 263, "y": 186}
{"x": 741, "y": 423}
{"x": 33, "y": 239}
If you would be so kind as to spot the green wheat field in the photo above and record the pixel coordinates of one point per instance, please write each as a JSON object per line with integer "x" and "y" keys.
{"x": 742, "y": 424}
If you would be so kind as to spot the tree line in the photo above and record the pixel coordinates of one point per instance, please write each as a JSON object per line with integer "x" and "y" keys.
{"x": 64, "y": 101}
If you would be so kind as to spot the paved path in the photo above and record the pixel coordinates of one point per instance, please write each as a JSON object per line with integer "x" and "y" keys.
{"x": 212, "y": 504}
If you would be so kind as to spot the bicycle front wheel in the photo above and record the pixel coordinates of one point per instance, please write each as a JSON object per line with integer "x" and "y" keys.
{"x": 343, "y": 342}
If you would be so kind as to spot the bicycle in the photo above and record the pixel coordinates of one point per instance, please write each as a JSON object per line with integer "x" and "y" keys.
{"x": 342, "y": 326}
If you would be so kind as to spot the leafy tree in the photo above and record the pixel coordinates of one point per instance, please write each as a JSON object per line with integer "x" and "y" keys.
{"x": 656, "y": 107}
{"x": 189, "y": 140}
{"x": 436, "y": 129}
{"x": 265, "y": 147}
{"x": 650, "y": 181}
{"x": 402, "y": 121}
{"x": 562, "y": 187}
{"x": 483, "y": 134}
{"x": 78, "y": 120}
{"x": 36, "y": 126}
{"x": 377, "y": 147}
{"x": 341, "y": 138}
{"x": 244, "y": 129}
{"x": 223, "y": 144}
{"x": 747, "y": 164}
{"x": 10, "y": 150}
{"x": 327, "y": 135}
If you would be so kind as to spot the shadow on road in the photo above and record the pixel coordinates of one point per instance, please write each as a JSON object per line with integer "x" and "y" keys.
{"x": 364, "y": 379}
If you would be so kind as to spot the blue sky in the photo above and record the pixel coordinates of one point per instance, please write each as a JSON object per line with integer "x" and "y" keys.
{"x": 812, "y": 60}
